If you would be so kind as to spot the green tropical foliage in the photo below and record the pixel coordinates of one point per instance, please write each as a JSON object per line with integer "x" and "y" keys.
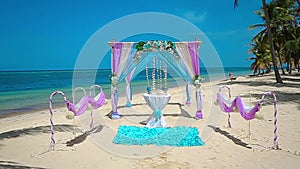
{"x": 262, "y": 60}
{"x": 278, "y": 39}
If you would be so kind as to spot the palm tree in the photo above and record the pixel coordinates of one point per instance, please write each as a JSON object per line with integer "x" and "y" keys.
{"x": 277, "y": 75}
{"x": 292, "y": 48}
{"x": 261, "y": 63}
{"x": 263, "y": 37}
{"x": 283, "y": 15}
{"x": 261, "y": 52}
{"x": 284, "y": 20}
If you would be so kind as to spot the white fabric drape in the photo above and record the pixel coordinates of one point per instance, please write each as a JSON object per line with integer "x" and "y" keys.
{"x": 119, "y": 60}
{"x": 156, "y": 103}
{"x": 126, "y": 50}
{"x": 199, "y": 100}
{"x": 183, "y": 51}
{"x": 128, "y": 88}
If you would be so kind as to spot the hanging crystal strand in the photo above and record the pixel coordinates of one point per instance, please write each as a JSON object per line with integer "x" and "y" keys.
{"x": 153, "y": 74}
{"x": 166, "y": 77}
{"x": 157, "y": 72}
{"x": 147, "y": 76}
{"x": 160, "y": 76}
{"x": 148, "y": 81}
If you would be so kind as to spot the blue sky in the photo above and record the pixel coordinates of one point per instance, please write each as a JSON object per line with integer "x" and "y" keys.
{"x": 44, "y": 34}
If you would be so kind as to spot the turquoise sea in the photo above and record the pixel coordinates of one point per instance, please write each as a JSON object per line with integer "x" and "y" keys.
{"x": 27, "y": 91}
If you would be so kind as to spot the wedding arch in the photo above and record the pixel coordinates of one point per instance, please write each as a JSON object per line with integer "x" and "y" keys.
{"x": 130, "y": 58}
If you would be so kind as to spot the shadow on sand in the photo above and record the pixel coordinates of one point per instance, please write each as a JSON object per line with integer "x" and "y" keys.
{"x": 79, "y": 139}
{"x": 183, "y": 112}
{"x": 46, "y": 129}
{"x": 35, "y": 131}
{"x": 231, "y": 137}
{"x": 14, "y": 165}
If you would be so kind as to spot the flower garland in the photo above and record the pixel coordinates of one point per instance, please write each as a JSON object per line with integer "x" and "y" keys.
{"x": 154, "y": 46}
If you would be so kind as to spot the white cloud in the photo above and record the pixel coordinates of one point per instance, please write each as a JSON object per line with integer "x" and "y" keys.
{"x": 195, "y": 16}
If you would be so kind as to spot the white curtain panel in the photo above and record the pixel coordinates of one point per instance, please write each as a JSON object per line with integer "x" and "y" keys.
{"x": 183, "y": 51}
{"x": 126, "y": 50}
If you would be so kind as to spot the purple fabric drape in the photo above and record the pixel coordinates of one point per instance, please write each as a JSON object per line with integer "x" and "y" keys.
{"x": 116, "y": 58}
{"x": 98, "y": 103}
{"x": 86, "y": 100}
{"x": 116, "y": 55}
{"x": 193, "y": 49}
{"x": 237, "y": 102}
{"x": 199, "y": 114}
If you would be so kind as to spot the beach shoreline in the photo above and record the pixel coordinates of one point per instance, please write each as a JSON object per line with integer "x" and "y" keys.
{"x": 23, "y": 138}
{"x": 20, "y": 111}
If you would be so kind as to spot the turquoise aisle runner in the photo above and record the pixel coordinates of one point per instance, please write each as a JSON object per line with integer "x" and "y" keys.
{"x": 169, "y": 136}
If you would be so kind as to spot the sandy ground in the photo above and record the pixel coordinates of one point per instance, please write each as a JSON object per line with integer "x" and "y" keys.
{"x": 25, "y": 139}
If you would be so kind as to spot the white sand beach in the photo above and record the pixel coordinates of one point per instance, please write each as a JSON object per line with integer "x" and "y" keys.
{"x": 25, "y": 139}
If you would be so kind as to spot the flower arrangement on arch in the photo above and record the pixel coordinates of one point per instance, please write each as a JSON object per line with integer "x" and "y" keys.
{"x": 113, "y": 79}
{"x": 197, "y": 81}
{"x": 154, "y": 46}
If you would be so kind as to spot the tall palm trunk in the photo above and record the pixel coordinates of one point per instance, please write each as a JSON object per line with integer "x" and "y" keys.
{"x": 288, "y": 63}
{"x": 281, "y": 64}
{"x": 298, "y": 66}
{"x": 277, "y": 75}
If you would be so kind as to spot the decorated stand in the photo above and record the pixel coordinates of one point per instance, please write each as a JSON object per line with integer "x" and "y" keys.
{"x": 156, "y": 102}
{"x": 248, "y": 113}
{"x": 77, "y": 109}
{"x": 130, "y": 58}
